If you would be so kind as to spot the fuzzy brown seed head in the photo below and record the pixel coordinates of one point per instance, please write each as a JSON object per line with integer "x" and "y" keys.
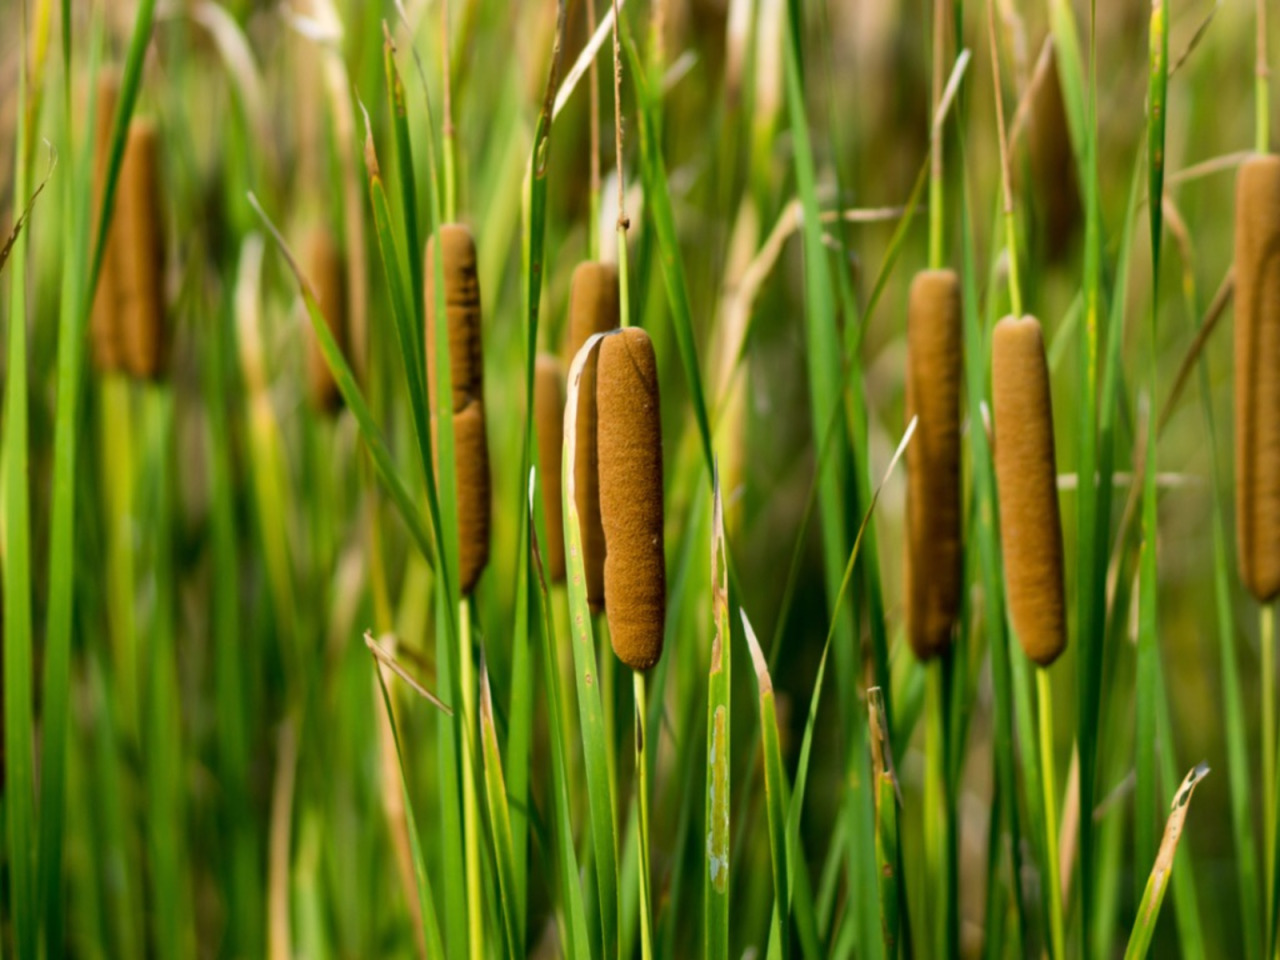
{"x": 630, "y": 443}
{"x": 593, "y": 308}
{"x": 1026, "y": 472}
{"x": 471, "y": 454}
{"x": 325, "y": 271}
{"x": 104, "y": 324}
{"x": 934, "y": 371}
{"x": 593, "y": 303}
{"x": 1257, "y": 375}
{"x": 141, "y": 254}
{"x": 462, "y": 308}
{"x": 1053, "y": 165}
{"x": 548, "y": 411}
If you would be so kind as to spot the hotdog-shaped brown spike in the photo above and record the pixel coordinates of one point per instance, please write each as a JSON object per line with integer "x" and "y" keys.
{"x": 1257, "y": 375}
{"x": 593, "y": 308}
{"x": 471, "y": 454}
{"x": 140, "y": 254}
{"x": 462, "y": 308}
{"x": 1026, "y": 472}
{"x": 325, "y": 271}
{"x": 548, "y": 412}
{"x": 104, "y": 324}
{"x": 934, "y": 371}
{"x": 630, "y": 446}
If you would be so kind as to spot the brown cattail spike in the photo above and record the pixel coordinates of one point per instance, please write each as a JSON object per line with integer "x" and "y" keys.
{"x": 1053, "y": 164}
{"x": 548, "y": 412}
{"x": 1257, "y": 361}
{"x": 105, "y": 322}
{"x": 630, "y": 444}
{"x": 1026, "y": 472}
{"x": 934, "y": 371}
{"x": 471, "y": 455}
{"x": 140, "y": 254}
{"x": 328, "y": 280}
{"x": 462, "y": 307}
{"x": 593, "y": 308}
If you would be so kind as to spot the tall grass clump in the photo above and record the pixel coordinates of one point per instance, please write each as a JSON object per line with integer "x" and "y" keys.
{"x": 377, "y": 591}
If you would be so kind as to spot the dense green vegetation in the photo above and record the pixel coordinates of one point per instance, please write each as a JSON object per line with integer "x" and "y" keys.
{"x": 250, "y": 706}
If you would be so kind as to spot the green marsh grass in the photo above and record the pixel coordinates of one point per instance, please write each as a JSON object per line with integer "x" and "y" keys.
{"x": 197, "y": 756}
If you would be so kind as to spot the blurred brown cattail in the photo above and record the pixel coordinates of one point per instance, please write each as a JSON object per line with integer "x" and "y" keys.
{"x": 630, "y": 441}
{"x": 548, "y": 412}
{"x": 1053, "y": 163}
{"x": 326, "y": 272}
{"x": 105, "y": 323}
{"x": 471, "y": 455}
{"x": 1026, "y": 472}
{"x": 934, "y": 372}
{"x": 140, "y": 254}
{"x": 593, "y": 308}
{"x": 1257, "y": 362}
{"x": 462, "y": 307}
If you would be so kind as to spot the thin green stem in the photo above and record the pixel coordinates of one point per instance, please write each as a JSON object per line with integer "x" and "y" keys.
{"x": 940, "y": 821}
{"x": 471, "y": 805}
{"x": 1044, "y": 703}
{"x": 642, "y": 794}
{"x": 624, "y": 286}
{"x": 1267, "y": 621}
{"x": 1262, "y": 78}
{"x": 1010, "y": 227}
{"x": 936, "y": 184}
{"x": 450, "y": 145}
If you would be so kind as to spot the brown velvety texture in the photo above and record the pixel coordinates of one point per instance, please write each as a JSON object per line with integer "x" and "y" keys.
{"x": 593, "y": 303}
{"x": 1257, "y": 375}
{"x": 471, "y": 454}
{"x": 630, "y": 444}
{"x": 593, "y": 308}
{"x": 548, "y": 412}
{"x": 462, "y": 308}
{"x": 470, "y": 451}
{"x": 104, "y": 325}
{"x": 1053, "y": 164}
{"x": 934, "y": 371}
{"x": 140, "y": 254}
{"x": 1026, "y": 472}
{"x": 325, "y": 272}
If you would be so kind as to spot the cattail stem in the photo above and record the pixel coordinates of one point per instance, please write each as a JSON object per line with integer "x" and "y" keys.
{"x": 593, "y": 188}
{"x": 624, "y": 288}
{"x": 470, "y": 801}
{"x": 450, "y": 145}
{"x": 1267, "y": 625}
{"x": 1044, "y": 706}
{"x": 642, "y": 795}
{"x": 935, "y": 140}
{"x": 117, "y": 446}
{"x": 1010, "y": 227}
{"x": 1262, "y": 81}
{"x": 939, "y": 814}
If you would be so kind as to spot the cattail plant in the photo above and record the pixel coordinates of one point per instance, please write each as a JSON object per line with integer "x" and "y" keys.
{"x": 1257, "y": 359}
{"x": 593, "y": 308}
{"x": 104, "y": 324}
{"x": 548, "y": 412}
{"x": 1053, "y": 164}
{"x": 1026, "y": 474}
{"x": 471, "y": 456}
{"x": 934, "y": 376}
{"x": 326, "y": 272}
{"x": 140, "y": 255}
{"x": 629, "y": 434}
